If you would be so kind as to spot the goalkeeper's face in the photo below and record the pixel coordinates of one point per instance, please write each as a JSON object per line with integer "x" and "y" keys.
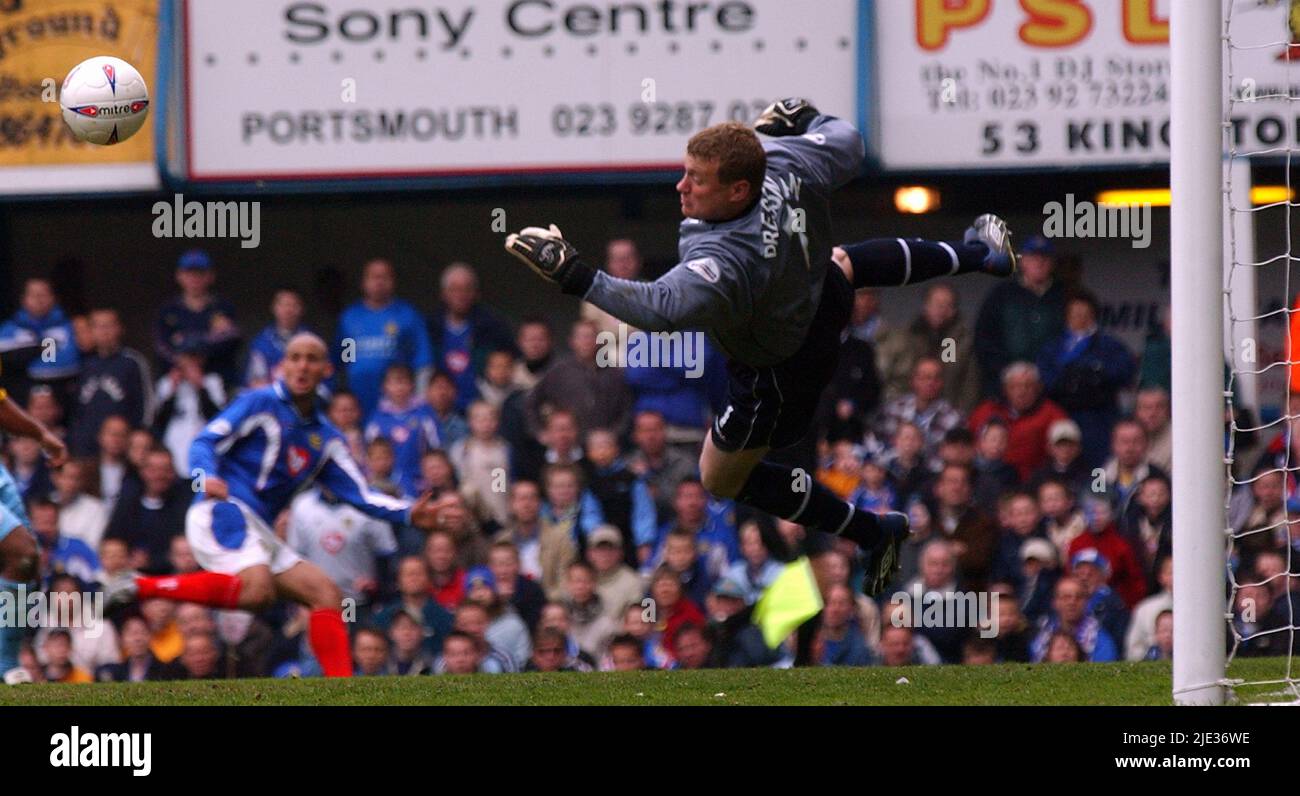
{"x": 706, "y": 197}
{"x": 305, "y": 365}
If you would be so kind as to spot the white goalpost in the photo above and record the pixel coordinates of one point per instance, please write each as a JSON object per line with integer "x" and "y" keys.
{"x": 1233, "y": 105}
{"x": 1196, "y": 274}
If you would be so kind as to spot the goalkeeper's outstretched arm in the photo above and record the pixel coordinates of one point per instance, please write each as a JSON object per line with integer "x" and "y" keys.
{"x": 698, "y": 294}
{"x": 704, "y": 292}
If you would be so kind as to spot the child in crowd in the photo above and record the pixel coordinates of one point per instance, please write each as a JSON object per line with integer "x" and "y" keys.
{"x": 402, "y": 420}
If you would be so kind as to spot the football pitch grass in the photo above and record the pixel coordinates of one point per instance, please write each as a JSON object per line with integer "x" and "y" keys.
{"x": 1002, "y": 684}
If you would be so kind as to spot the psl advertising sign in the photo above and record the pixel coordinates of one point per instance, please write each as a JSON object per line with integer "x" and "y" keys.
{"x": 1029, "y": 83}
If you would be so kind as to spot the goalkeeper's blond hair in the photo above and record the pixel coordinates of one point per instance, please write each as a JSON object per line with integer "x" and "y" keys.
{"x": 736, "y": 149}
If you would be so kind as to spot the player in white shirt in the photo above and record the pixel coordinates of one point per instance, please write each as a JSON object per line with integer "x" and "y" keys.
{"x": 349, "y": 546}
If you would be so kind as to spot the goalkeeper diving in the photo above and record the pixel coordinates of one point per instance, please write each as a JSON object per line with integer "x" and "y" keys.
{"x": 757, "y": 271}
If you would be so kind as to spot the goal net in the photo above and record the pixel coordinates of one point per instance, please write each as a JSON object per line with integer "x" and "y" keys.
{"x": 1260, "y": 45}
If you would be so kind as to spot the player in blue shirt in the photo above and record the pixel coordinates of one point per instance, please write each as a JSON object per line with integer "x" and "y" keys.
{"x": 249, "y": 462}
{"x": 19, "y": 554}
{"x": 379, "y": 331}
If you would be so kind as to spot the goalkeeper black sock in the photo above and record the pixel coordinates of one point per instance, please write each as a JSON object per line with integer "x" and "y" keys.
{"x": 793, "y": 495}
{"x": 890, "y": 262}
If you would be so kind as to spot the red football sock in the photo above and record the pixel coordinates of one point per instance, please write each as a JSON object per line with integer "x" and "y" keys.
{"x": 205, "y": 588}
{"x": 329, "y": 640}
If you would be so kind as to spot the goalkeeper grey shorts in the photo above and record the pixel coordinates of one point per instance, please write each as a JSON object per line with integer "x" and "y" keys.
{"x": 773, "y": 407}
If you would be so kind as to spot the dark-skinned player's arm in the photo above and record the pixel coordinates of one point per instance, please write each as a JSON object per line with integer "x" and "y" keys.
{"x": 342, "y": 476}
{"x": 16, "y": 421}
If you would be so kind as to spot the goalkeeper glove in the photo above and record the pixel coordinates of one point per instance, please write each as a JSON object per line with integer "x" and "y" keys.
{"x": 553, "y": 258}
{"x": 786, "y": 117}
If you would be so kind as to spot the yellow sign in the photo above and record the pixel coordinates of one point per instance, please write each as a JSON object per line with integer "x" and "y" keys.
{"x": 40, "y": 40}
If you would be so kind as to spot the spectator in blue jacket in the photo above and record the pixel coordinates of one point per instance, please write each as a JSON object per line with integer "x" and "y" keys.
{"x": 624, "y": 496}
{"x": 568, "y": 501}
{"x": 1023, "y": 522}
{"x": 1070, "y": 616}
{"x": 1037, "y": 577}
{"x": 622, "y": 261}
{"x": 440, "y": 406}
{"x": 840, "y": 641}
{"x": 677, "y": 390}
{"x": 737, "y": 641}
{"x": 463, "y": 332}
{"x": 114, "y": 380}
{"x": 41, "y": 322}
{"x": 402, "y": 420}
{"x": 1019, "y": 316}
{"x": 711, "y": 521}
{"x": 378, "y": 331}
{"x": 267, "y": 349}
{"x": 413, "y": 597}
{"x": 1084, "y": 371}
{"x": 1093, "y": 571}
{"x": 198, "y": 318}
{"x": 27, "y": 466}
{"x": 756, "y": 569}
{"x": 681, "y": 554}
{"x": 63, "y": 554}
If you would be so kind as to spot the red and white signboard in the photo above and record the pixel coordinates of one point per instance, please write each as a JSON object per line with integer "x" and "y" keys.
{"x": 281, "y": 89}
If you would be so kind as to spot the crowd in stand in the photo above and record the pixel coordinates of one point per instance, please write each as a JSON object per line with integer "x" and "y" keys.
{"x": 1031, "y": 450}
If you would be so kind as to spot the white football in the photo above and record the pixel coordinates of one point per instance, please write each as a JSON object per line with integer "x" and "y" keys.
{"x": 104, "y": 100}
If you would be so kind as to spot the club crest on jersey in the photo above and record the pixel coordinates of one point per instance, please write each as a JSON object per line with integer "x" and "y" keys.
{"x": 400, "y": 434}
{"x": 314, "y": 441}
{"x": 390, "y": 329}
{"x": 457, "y": 361}
{"x": 296, "y": 458}
{"x": 706, "y": 268}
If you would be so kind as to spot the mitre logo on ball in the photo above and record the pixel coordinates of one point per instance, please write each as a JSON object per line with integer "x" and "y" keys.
{"x": 104, "y": 100}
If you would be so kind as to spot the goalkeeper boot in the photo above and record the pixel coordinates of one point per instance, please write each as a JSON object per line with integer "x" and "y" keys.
{"x": 882, "y": 559}
{"x": 992, "y": 232}
{"x": 121, "y": 588}
{"x": 17, "y": 676}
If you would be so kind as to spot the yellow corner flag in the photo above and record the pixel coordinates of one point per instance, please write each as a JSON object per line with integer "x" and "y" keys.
{"x": 792, "y": 599}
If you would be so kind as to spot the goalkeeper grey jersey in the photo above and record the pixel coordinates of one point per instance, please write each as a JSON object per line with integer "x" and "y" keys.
{"x": 753, "y": 283}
